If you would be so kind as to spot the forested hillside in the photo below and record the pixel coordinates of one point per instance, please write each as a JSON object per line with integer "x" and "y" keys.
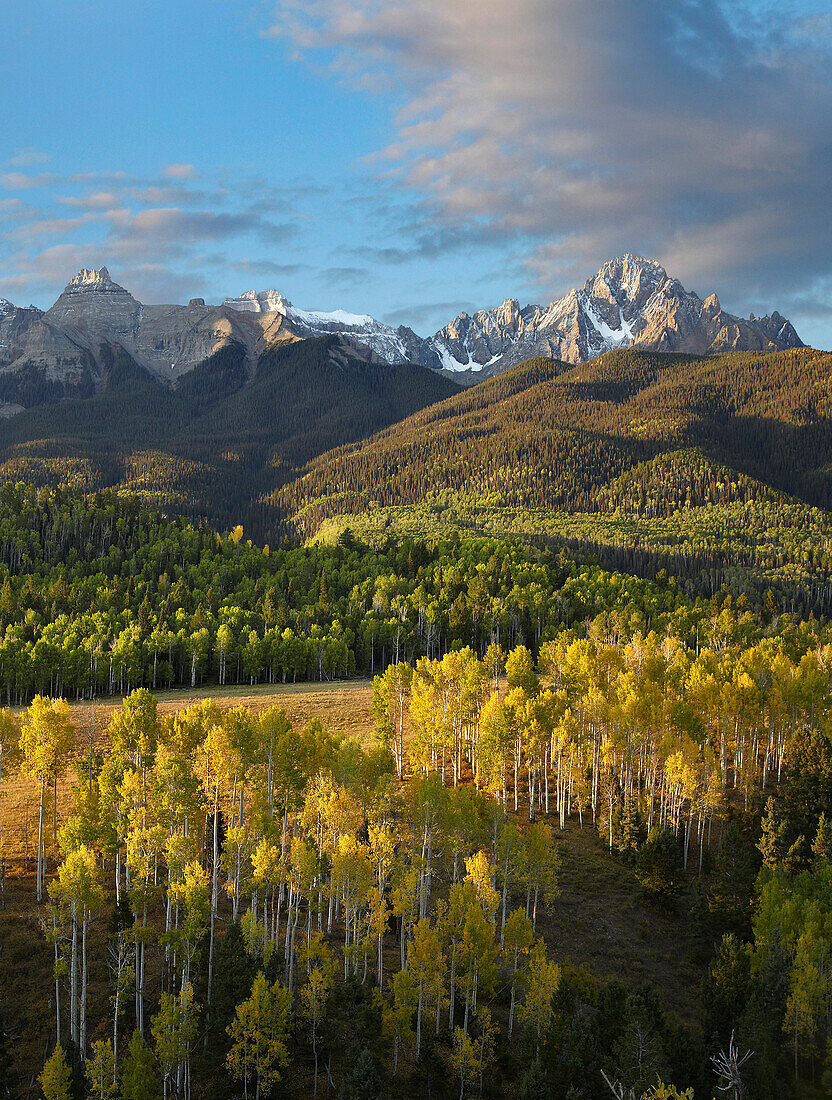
{"x": 712, "y": 468}
{"x": 546, "y": 435}
{"x": 210, "y": 446}
{"x": 107, "y": 595}
{"x": 265, "y": 908}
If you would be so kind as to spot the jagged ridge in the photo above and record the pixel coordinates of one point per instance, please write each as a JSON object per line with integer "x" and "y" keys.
{"x": 629, "y": 302}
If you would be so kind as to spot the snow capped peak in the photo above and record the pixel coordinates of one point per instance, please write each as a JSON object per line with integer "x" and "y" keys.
{"x": 272, "y": 301}
{"x": 629, "y": 301}
{"x": 334, "y": 317}
{"x": 385, "y": 341}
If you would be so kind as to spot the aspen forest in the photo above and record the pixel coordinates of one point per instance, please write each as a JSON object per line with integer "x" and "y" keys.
{"x": 579, "y": 845}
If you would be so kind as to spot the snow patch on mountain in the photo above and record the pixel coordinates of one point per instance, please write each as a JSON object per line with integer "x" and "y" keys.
{"x": 382, "y": 339}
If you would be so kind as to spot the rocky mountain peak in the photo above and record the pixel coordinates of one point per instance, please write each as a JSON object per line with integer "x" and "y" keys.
{"x": 628, "y": 276}
{"x": 629, "y": 302}
{"x": 260, "y": 301}
{"x": 711, "y": 305}
{"x": 89, "y": 280}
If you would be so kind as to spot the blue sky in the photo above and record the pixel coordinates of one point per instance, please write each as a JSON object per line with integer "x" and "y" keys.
{"x": 413, "y": 158}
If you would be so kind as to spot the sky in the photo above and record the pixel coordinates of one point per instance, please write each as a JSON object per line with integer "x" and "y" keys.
{"x": 415, "y": 158}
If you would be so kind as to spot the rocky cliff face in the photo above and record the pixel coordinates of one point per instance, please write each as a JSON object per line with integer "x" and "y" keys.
{"x": 630, "y": 302}
{"x": 93, "y": 313}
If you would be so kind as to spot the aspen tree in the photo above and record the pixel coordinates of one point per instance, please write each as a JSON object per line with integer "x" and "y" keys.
{"x": 100, "y": 1071}
{"x": 383, "y": 852}
{"x": 259, "y": 1033}
{"x": 121, "y": 976}
{"x": 426, "y": 963}
{"x": 397, "y": 1015}
{"x": 47, "y": 734}
{"x": 78, "y": 888}
{"x": 221, "y": 761}
{"x": 316, "y": 959}
{"x": 391, "y": 695}
{"x": 519, "y": 936}
{"x": 495, "y": 747}
{"x": 56, "y": 1079}
{"x": 174, "y": 1031}
{"x": 464, "y": 1060}
{"x": 509, "y": 854}
{"x": 541, "y": 981}
{"x": 540, "y": 864}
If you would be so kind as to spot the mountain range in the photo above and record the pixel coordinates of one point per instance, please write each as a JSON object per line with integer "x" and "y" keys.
{"x": 629, "y": 302}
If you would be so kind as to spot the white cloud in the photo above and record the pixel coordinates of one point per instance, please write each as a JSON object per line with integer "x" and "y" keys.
{"x": 181, "y": 171}
{"x": 149, "y": 231}
{"x": 26, "y": 158}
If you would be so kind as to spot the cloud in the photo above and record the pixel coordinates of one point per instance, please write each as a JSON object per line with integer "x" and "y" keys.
{"x": 26, "y": 158}
{"x": 155, "y": 232}
{"x": 573, "y": 130}
{"x": 429, "y": 317}
{"x": 342, "y": 276}
{"x": 19, "y": 181}
{"x": 185, "y": 226}
{"x": 95, "y": 200}
{"x": 181, "y": 171}
{"x": 390, "y": 254}
{"x": 266, "y": 268}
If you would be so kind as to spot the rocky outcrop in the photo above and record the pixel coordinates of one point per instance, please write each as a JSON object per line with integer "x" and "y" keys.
{"x": 69, "y": 341}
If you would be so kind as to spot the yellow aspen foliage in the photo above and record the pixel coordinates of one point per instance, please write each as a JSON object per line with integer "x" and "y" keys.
{"x": 56, "y": 1078}
{"x": 100, "y": 1071}
{"x": 541, "y": 981}
{"x": 259, "y": 1033}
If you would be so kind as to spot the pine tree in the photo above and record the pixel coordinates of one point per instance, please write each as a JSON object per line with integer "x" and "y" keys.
{"x": 8, "y": 1074}
{"x": 771, "y": 835}
{"x": 363, "y": 1080}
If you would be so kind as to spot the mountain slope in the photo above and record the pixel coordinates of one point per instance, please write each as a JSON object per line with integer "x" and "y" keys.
{"x": 219, "y": 439}
{"x": 547, "y": 435}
